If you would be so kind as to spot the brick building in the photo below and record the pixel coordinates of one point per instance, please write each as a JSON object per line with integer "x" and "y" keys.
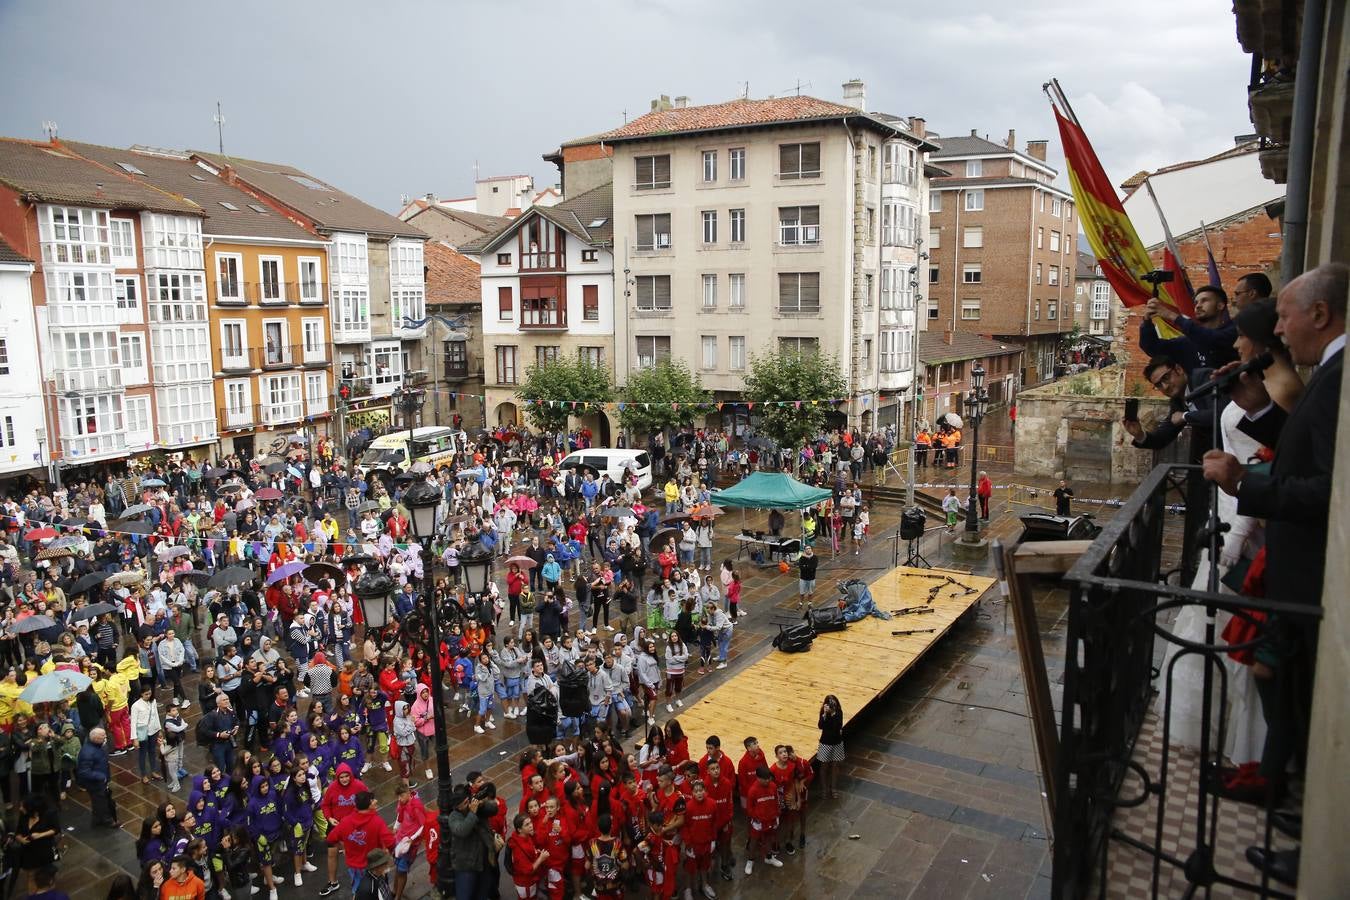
{"x": 1002, "y": 240}
{"x": 947, "y": 358}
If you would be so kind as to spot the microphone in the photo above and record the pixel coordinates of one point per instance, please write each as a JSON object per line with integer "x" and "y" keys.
{"x": 1254, "y": 366}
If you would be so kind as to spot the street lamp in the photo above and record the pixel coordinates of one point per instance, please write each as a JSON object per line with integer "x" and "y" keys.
{"x": 977, "y": 402}
{"x": 422, "y": 500}
{"x": 475, "y": 562}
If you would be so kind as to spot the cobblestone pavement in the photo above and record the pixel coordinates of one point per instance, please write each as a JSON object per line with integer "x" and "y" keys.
{"x": 940, "y": 795}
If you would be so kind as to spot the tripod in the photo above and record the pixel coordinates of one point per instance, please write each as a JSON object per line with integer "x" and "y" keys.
{"x": 913, "y": 557}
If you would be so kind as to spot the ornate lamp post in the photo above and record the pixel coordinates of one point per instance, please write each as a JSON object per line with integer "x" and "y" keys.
{"x": 409, "y": 401}
{"x": 976, "y": 404}
{"x": 475, "y": 562}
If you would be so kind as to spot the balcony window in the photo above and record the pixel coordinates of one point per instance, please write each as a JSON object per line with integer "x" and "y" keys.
{"x": 541, "y": 245}
{"x": 311, "y": 287}
{"x": 897, "y": 224}
{"x": 737, "y": 217}
{"x": 653, "y": 232}
{"x": 1101, "y": 300}
{"x": 651, "y": 173}
{"x": 799, "y": 293}
{"x": 353, "y": 311}
{"x": 405, "y": 261}
{"x": 709, "y": 226}
{"x": 238, "y": 404}
{"x": 652, "y": 292}
{"x": 407, "y": 306}
{"x": 233, "y": 345}
{"x": 709, "y": 166}
{"x": 797, "y": 161}
{"x": 507, "y": 368}
{"x": 229, "y": 286}
{"x": 127, "y": 293}
{"x": 177, "y": 297}
{"x": 172, "y": 242}
{"x": 316, "y": 394}
{"x": 71, "y": 235}
{"x": 270, "y": 287}
{"x": 736, "y": 294}
{"x": 798, "y": 225}
{"x": 456, "y": 359}
{"x": 736, "y": 163}
{"x": 186, "y": 413}
{"x": 900, "y": 164}
{"x": 282, "y": 401}
{"x": 91, "y": 416}
{"x": 652, "y": 350}
{"x": 384, "y": 366}
{"x": 87, "y": 349}
{"x": 180, "y": 353}
{"x": 352, "y": 258}
{"x": 123, "y": 235}
{"x": 541, "y": 311}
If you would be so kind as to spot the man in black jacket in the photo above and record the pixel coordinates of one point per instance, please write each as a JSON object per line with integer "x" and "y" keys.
{"x": 1294, "y": 499}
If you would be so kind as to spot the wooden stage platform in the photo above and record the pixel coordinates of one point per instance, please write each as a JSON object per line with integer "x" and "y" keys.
{"x": 777, "y": 699}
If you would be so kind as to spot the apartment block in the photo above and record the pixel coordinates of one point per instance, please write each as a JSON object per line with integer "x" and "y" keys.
{"x": 1002, "y": 241}
{"x": 23, "y": 427}
{"x": 1095, "y": 304}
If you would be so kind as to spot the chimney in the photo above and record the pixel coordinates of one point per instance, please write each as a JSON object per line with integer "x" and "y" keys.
{"x": 1036, "y": 149}
{"x": 974, "y": 132}
{"x": 947, "y": 338}
{"x": 661, "y": 104}
{"x": 681, "y": 102}
{"x": 431, "y": 198}
{"x": 855, "y": 94}
{"x": 1012, "y": 139}
{"x": 918, "y": 126}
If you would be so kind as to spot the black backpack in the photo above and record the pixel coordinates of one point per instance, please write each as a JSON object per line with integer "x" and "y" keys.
{"x": 574, "y": 691}
{"x": 541, "y": 716}
{"x": 828, "y": 617}
{"x": 795, "y": 638}
{"x": 204, "y": 734}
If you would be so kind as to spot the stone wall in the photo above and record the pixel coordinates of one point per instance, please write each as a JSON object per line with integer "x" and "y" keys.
{"x": 1071, "y": 429}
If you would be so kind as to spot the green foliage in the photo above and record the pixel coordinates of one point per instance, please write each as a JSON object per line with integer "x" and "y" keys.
{"x": 551, "y": 388}
{"x": 789, "y": 376}
{"x": 659, "y": 387}
{"x": 1083, "y": 385}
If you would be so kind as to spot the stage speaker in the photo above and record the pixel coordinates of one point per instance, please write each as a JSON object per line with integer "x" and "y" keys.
{"x": 912, "y": 523}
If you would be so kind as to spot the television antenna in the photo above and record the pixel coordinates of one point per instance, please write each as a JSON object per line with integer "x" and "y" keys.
{"x": 219, "y": 119}
{"x": 797, "y": 88}
{"x": 49, "y": 126}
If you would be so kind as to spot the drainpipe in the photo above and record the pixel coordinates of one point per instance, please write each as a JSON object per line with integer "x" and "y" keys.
{"x": 956, "y": 257}
{"x": 1298, "y": 184}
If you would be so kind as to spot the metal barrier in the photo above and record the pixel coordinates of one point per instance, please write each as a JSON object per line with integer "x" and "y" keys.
{"x": 1115, "y": 606}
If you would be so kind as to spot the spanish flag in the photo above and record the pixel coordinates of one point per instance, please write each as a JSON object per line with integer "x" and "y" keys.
{"x": 1114, "y": 242}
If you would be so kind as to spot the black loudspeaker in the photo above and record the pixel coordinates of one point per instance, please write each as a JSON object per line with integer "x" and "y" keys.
{"x": 912, "y": 523}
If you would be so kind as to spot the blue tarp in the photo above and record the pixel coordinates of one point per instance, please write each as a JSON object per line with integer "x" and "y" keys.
{"x": 860, "y": 604}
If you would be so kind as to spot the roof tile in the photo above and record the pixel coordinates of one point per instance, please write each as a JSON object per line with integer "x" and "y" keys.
{"x": 933, "y": 347}
{"x": 452, "y": 277}
{"x": 9, "y": 255}
{"x": 54, "y": 174}
{"x": 736, "y": 113}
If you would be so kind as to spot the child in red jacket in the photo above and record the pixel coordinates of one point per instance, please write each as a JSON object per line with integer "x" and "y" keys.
{"x": 761, "y": 807}
{"x": 698, "y": 836}
{"x": 662, "y": 859}
{"x": 749, "y": 763}
{"x": 527, "y": 858}
{"x": 721, "y": 786}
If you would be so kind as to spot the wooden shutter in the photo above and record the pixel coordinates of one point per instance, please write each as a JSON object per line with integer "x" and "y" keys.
{"x": 505, "y": 303}
{"x": 787, "y": 290}
{"x": 590, "y": 301}
{"x": 810, "y": 215}
{"x": 661, "y": 292}
{"x": 661, "y": 169}
{"x": 810, "y": 290}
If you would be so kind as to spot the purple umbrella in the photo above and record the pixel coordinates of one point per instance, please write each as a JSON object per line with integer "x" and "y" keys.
{"x": 286, "y": 571}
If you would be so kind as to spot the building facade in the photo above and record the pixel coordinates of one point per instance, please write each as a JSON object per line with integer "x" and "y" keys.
{"x": 455, "y": 307}
{"x": 1002, "y": 241}
{"x": 1095, "y": 304}
{"x": 547, "y": 290}
{"x": 23, "y": 427}
{"x": 765, "y": 225}
{"x": 948, "y": 358}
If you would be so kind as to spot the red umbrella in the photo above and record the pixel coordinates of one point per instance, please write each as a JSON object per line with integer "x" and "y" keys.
{"x": 40, "y": 534}
{"x": 268, "y": 493}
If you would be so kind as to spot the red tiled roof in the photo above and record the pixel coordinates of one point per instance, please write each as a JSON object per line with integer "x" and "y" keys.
{"x": 736, "y": 113}
{"x": 452, "y": 277}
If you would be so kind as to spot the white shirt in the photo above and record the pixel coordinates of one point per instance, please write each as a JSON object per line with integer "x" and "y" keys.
{"x": 1337, "y": 344}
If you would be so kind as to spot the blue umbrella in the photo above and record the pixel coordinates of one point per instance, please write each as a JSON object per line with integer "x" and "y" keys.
{"x": 54, "y": 687}
{"x": 294, "y": 472}
{"x": 152, "y": 482}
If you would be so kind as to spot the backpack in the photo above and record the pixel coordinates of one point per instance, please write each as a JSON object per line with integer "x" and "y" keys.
{"x": 541, "y": 715}
{"x": 795, "y": 638}
{"x": 828, "y": 617}
{"x": 202, "y": 733}
{"x": 574, "y": 692}
{"x": 526, "y": 602}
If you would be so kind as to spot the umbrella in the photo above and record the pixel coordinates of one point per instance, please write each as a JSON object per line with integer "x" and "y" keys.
{"x": 315, "y": 571}
{"x": 294, "y": 472}
{"x": 139, "y": 526}
{"x": 458, "y": 520}
{"x": 216, "y": 472}
{"x": 663, "y": 535}
{"x": 232, "y": 487}
{"x": 368, "y": 506}
{"x": 953, "y": 420}
{"x": 93, "y": 610}
{"x": 54, "y": 687}
{"x": 73, "y": 522}
{"x": 268, "y": 493}
{"x": 673, "y": 518}
{"x": 245, "y": 504}
{"x": 421, "y": 467}
{"x": 472, "y": 472}
{"x": 46, "y": 532}
{"x": 53, "y": 554}
{"x": 705, "y": 511}
{"x": 523, "y": 561}
{"x": 273, "y": 468}
{"x": 152, "y": 482}
{"x": 32, "y": 623}
{"x": 359, "y": 559}
{"x": 281, "y": 573}
{"x": 615, "y": 512}
{"x": 67, "y": 542}
{"x": 171, "y": 551}
{"x": 131, "y": 577}
{"x": 230, "y": 577}
{"x": 136, "y": 509}
{"x": 513, "y": 461}
{"x": 194, "y": 575}
{"x": 88, "y": 583}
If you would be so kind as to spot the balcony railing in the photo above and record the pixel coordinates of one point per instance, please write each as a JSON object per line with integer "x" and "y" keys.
{"x": 271, "y": 414}
{"x": 1111, "y": 792}
{"x": 271, "y": 293}
{"x": 232, "y": 419}
{"x": 77, "y": 449}
{"x": 351, "y": 332}
{"x": 456, "y": 370}
{"x": 274, "y": 357}
{"x": 542, "y": 261}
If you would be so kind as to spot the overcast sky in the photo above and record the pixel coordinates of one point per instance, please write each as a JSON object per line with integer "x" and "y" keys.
{"x": 404, "y": 96}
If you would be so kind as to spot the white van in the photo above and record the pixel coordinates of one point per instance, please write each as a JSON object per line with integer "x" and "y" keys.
{"x": 613, "y": 462}
{"x": 389, "y": 453}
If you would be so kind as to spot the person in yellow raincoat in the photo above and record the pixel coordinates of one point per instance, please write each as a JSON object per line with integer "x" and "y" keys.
{"x": 10, "y": 704}
{"x": 112, "y": 689}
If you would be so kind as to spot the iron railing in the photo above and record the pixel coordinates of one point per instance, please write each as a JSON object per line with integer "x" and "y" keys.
{"x": 1119, "y": 602}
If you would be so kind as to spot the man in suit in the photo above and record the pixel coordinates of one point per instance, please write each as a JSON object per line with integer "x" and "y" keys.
{"x": 1294, "y": 499}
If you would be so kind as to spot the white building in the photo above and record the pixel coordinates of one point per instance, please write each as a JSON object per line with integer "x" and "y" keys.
{"x": 23, "y": 427}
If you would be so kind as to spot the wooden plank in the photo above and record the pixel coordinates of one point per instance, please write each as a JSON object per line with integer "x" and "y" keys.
{"x": 1048, "y": 557}
{"x": 1031, "y": 655}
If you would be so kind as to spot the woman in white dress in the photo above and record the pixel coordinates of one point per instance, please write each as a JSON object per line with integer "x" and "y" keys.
{"x": 1246, "y": 729}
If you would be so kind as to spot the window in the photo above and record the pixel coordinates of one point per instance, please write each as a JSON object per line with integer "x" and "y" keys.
{"x": 503, "y": 259}
{"x": 590, "y": 302}
{"x": 708, "y": 360}
{"x": 736, "y": 161}
{"x": 137, "y": 411}
{"x": 1054, "y": 275}
{"x": 1036, "y": 310}
{"x": 353, "y": 310}
{"x": 276, "y": 343}
{"x": 653, "y": 292}
{"x": 594, "y": 356}
{"x": 900, "y": 164}
{"x": 1101, "y": 300}
{"x": 72, "y": 235}
{"x": 4, "y": 356}
{"x": 935, "y": 201}
{"x": 316, "y": 393}
{"x": 709, "y": 292}
{"x": 506, "y": 304}
{"x": 932, "y": 312}
{"x": 973, "y": 236}
{"x": 228, "y": 286}
{"x": 281, "y": 398}
{"x": 86, "y": 416}
{"x": 971, "y": 273}
{"x": 799, "y": 345}
{"x": 177, "y": 297}
{"x": 405, "y": 261}
{"x": 352, "y": 259}
{"x": 974, "y": 168}
{"x": 132, "y": 347}
{"x": 651, "y": 172}
{"x": 970, "y": 308}
{"x": 406, "y": 307}
{"x": 543, "y": 355}
{"x": 233, "y": 345}
{"x": 736, "y": 352}
{"x": 127, "y": 291}
{"x": 797, "y": 161}
{"x": 737, "y": 217}
{"x": 311, "y": 331}
{"x": 1051, "y": 309}
{"x": 897, "y": 224}
{"x": 311, "y": 290}
{"x": 652, "y": 350}
{"x": 590, "y": 255}
{"x": 798, "y": 225}
{"x": 869, "y": 282}
{"x": 934, "y": 274}
{"x": 1056, "y": 207}
{"x": 506, "y": 366}
{"x": 1038, "y": 273}
{"x": 974, "y": 201}
{"x": 870, "y": 226}
{"x": 897, "y": 349}
{"x": 871, "y": 161}
{"x": 384, "y": 363}
{"x": 456, "y": 359}
{"x": 1054, "y": 241}
{"x": 890, "y": 278}
{"x": 123, "y": 235}
{"x": 172, "y": 242}
{"x": 709, "y": 165}
{"x": 540, "y": 307}
{"x": 180, "y": 353}
{"x": 7, "y": 431}
{"x": 934, "y": 238}
{"x": 653, "y": 232}
{"x": 1040, "y": 238}
{"x": 709, "y": 226}
{"x": 799, "y": 293}
{"x": 736, "y": 284}
{"x": 238, "y": 399}
{"x": 269, "y": 279}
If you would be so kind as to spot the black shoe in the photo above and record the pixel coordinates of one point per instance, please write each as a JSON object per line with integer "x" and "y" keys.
{"x": 789, "y": 849}
{"x": 726, "y": 874}
{"x": 1281, "y": 865}
{"x": 330, "y": 889}
{"x": 1288, "y": 823}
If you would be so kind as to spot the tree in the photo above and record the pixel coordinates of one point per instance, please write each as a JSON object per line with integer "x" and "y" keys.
{"x": 664, "y": 396}
{"x": 778, "y": 380}
{"x": 560, "y": 388}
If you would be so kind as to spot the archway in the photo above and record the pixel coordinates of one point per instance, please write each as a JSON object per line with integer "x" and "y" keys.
{"x": 506, "y": 414}
{"x": 866, "y": 421}
{"x": 599, "y": 425}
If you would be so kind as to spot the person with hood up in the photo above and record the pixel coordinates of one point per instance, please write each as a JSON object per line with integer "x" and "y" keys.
{"x": 361, "y": 832}
{"x": 551, "y": 572}
{"x": 405, "y": 737}
{"x": 206, "y": 824}
{"x": 410, "y": 823}
{"x": 265, "y": 826}
{"x": 423, "y": 717}
{"x": 298, "y": 802}
{"x": 339, "y": 802}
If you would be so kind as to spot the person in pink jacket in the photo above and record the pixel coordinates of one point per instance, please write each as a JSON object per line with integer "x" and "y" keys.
{"x": 410, "y": 822}
{"x": 423, "y": 718}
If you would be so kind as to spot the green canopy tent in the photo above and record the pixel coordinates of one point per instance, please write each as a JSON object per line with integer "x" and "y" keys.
{"x": 771, "y": 490}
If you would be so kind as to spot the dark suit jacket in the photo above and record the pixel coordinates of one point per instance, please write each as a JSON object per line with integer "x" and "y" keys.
{"x": 1295, "y": 498}
{"x": 1199, "y": 417}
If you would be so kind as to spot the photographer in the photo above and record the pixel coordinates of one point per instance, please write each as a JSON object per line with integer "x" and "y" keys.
{"x": 1206, "y": 341}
